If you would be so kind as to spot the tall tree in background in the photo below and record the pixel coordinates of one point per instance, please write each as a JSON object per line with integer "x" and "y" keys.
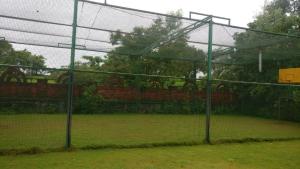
{"x": 278, "y": 51}
{"x": 176, "y": 58}
{"x": 166, "y": 60}
{"x": 280, "y": 16}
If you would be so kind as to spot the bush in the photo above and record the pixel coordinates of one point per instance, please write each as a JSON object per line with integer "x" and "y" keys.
{"x": 89, "y": 102}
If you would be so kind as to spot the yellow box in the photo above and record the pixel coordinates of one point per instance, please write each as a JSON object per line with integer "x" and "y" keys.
{"x": 290, "y": 75}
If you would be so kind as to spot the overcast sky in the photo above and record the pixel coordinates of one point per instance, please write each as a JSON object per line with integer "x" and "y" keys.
{"x": 240, "y": 11}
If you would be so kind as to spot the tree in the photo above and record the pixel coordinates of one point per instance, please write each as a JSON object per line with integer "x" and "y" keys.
{"x": 278, "y": 52}
{"x": 280, "y": 16}
{"x": 130, "y": 55}
{"x": 5, "y": 49}
{"x": 91, "y": 62}
{"x": 24, "y": 58}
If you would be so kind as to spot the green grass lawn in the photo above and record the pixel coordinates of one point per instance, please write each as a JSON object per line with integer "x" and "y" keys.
{"x": 276, "y": 155}
{"x": 48, "y": 131}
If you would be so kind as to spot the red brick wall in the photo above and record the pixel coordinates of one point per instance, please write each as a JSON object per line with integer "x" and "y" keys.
{"x": 58, "y": 91}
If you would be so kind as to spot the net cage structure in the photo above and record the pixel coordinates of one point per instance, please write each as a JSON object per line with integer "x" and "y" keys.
{"x": 91, "y": 74}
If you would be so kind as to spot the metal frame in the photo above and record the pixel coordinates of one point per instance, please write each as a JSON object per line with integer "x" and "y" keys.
{"x": 213, "y": 16}
{"x": 76, "y": 46}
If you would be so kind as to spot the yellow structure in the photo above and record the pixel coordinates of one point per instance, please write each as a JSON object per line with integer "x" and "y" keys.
{"x": 290, "y": 75}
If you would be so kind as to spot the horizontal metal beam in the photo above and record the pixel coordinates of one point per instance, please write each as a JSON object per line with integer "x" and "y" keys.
{"x": 50, "y": 34}
{"x": 257, "y": 47}
{"x": 102, "y": 51}
{"x": 255, "y": 83}
{"x": 214, "y": 44}
{"x": 68, "y": 44}
{"x": 60, "y": 47}
{"x": 102, "y": 72}
{"x": 137, "y": 10}
{"x": 58, "y": 24}
{"x": 213, "y": 16}
{"x": 30, "y": 67}
{"x": 258, "y": 31}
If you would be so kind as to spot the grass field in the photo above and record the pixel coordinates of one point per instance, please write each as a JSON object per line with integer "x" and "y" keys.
{"x": 48, "y": 131}
{"x": 276, "y": 155}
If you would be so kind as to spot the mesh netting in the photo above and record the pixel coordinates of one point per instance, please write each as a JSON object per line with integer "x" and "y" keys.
{"x": 140, "y": 77}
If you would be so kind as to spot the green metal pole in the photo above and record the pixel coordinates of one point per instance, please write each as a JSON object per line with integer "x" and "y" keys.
{"x": 194, "y": 89}
{"x": 208, "y": 85}
{"x": 71, "y": 77}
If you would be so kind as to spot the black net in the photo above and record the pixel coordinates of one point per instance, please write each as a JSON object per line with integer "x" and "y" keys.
{"x": 128, "y": 110}
{"x": 263, "y": 106}
{"x": 33, "y": 108}
{"x": 140, "y": 78}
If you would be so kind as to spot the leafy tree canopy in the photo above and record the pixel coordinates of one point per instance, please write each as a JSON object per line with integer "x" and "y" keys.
{"x": 166, "y": 60}
{"x": 280, "y": 16}
{"x": 175, "y": 58}
{"x": 278, "y": 52}
{"x": 25, "y": 58}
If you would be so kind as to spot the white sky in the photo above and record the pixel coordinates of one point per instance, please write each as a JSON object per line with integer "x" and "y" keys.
{"x": 240, "y": 11}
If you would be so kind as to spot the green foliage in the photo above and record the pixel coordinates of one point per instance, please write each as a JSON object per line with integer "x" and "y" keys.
{"x": 90, "y": 102}
{"x": 91, "y": 62}
{"x": 278, "y": 52}
{"x": 163, "y": 61}
{"x": 25, "y": 58}
{"x": 279, "y": 16}
{"x": 296, "y": 95}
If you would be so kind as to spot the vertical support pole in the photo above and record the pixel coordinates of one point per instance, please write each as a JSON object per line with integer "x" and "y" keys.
{"x": 71, "y": 77}
{"x": 194, "y": 89}
{"x": 208, "y": 85}
{"x": 260, "y": 61}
